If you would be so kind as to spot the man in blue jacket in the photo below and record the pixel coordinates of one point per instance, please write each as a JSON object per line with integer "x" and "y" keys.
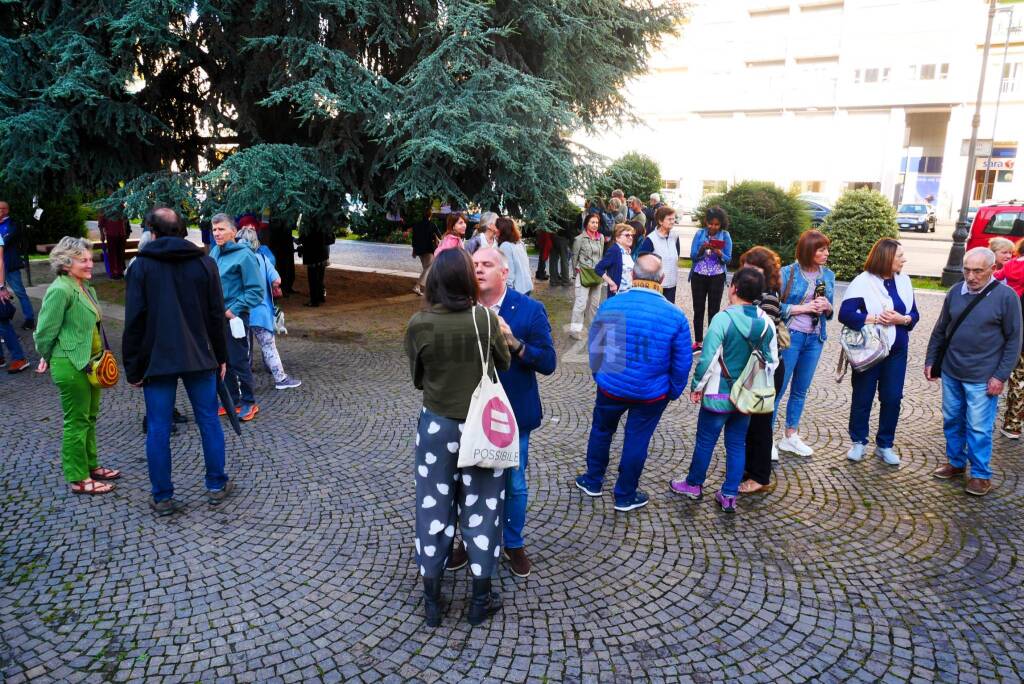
{"x": 524, "y": 322}
{"x": 640, "y": 356}
{"x": 13, "y": 264}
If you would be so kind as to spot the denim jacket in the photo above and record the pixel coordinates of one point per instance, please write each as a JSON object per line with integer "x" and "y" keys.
{"x": 795, "y": 293}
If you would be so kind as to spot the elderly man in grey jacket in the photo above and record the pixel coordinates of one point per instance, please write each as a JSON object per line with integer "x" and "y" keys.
{"x": 973, "y": 348}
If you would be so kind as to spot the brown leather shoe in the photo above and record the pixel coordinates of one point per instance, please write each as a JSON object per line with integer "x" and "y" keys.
{"x": 518, "y": 563}
{"x": 458, "y": 557}
{"x": 948, "y": 472}
{"x": 978, "y": 487}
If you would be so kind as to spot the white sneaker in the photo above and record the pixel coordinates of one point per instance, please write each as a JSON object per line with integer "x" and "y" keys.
{"x": 794, "y": 444}
{"x": 888, "y": 455}
{"x": 775, "y": 452}
{"x": 1009, "y": 435}
{"x": 856, "y": 452}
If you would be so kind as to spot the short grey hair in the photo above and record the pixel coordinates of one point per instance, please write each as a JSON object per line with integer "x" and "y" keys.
{"x": 248, "y": 234}
{"x": 67, "y": 250}
{"x": 487, "y": 218}
{"x": 655, "y": 197}
{"x": 648, "y": 267}
{"x": 502, "y": 259}
{"x": 985, "y": 252}
{"x": 223, "y": 218}
{"x": 632, "y": 200}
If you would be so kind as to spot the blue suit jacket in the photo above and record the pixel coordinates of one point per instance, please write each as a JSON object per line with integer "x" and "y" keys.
{"x": 529, "y": 322}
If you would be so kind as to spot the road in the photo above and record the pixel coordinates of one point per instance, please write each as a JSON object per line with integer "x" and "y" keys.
{"x": 926, "y": 253}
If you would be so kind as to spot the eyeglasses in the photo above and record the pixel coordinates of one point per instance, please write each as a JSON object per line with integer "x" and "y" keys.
{"x": 976, "y": 271}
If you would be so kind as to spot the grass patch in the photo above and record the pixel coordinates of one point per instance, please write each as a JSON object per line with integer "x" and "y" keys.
{"x": 928, "y": 283}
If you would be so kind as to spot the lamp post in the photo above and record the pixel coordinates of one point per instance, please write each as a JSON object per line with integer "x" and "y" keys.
{"x": 952, "y": 272}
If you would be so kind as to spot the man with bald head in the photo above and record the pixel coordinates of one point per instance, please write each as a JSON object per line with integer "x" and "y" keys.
{"x": 174, "y": 328}
{"x": 973, "y": 349}
{"x": 640, "y": 356}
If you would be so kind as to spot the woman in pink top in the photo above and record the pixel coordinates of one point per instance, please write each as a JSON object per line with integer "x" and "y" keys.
{"x": 455, "y": 231}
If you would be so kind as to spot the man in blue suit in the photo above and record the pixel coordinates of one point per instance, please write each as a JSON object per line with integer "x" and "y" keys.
{"x": 524, "y": 322}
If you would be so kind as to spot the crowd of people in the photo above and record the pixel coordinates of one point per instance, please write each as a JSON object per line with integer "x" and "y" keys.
{"x": 194, "y": 318}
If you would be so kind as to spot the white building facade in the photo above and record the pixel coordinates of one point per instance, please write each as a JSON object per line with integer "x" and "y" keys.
{"x": 825, "y": 95}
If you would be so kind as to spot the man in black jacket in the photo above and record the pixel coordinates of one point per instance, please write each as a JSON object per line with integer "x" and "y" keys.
{"x": 175, "y": 328}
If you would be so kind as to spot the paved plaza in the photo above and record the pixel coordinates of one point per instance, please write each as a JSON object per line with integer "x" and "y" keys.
{"x": 847, "y": 571}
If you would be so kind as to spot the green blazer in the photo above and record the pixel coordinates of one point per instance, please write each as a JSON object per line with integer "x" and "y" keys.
{"x": 66, "y": 321}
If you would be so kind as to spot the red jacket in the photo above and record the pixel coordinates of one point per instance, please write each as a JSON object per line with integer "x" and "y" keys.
{"x": 1012, "y": 273}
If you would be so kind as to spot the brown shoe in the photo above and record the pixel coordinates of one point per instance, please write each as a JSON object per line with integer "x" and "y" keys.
{"x": 518, "y": 563}
{"x": 458, "y": 557}
{"x": 978, "y": 487}
{"x": 948, "y": 472}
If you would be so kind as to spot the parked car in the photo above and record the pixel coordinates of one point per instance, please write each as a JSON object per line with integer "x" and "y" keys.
{"x": 1004, "y": 219}
{"x": 917, "y": 217}
{"x": 817, "y": 206}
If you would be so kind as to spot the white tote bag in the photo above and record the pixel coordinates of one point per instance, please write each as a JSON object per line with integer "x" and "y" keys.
{"x": 490, "y": 436}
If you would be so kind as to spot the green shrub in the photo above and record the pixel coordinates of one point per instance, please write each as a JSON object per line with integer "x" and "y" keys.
{"x": 759, "y": 214}
{"x": 859, "y": 219}
{"x": 62, "y": 215}
{"x": 633, "y": 173}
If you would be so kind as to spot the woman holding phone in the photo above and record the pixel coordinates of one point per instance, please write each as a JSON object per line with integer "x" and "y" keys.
{"x": 710, "y": 252}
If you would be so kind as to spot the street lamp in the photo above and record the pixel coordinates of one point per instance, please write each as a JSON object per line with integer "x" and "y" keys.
{"x": 952, "y": 272}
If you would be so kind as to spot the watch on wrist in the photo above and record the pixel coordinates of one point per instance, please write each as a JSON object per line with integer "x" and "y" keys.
{"x": 515, "y": 352}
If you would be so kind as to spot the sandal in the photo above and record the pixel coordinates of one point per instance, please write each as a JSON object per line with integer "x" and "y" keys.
{"x": 755, "y": 487}
{"x": 105, "y": 474}
{"x": 90, "y": 487}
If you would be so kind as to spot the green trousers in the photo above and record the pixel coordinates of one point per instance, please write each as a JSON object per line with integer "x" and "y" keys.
{"x": 81, "y": 404}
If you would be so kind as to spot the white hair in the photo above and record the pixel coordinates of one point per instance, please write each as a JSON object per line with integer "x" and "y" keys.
{"x": 67, "y": 250}
{"x": 248, "y": 234}
{"x": 642, "y": 268}
{"x": 223, "y": 218}
{"x": 655, "y": 197}
{"x": 488, "y": 218}
{"x": 985, "y": 252}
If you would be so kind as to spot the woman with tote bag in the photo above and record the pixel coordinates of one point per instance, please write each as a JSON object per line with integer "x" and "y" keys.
{"x": 444, "y": 358}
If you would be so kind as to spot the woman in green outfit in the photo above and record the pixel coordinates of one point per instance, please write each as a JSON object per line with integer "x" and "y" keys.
{"x": 67, "y": 336}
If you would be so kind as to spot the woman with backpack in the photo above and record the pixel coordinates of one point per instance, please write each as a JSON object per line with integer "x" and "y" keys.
{"x": 733, "y": 337}
{"x": 757, "y": 473}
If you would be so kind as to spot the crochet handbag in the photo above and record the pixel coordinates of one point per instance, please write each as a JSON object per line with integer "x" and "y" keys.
{"x": 102, "y": 370}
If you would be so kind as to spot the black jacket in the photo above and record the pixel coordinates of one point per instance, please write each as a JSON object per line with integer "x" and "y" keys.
{"x": 174, "y": 312}
{"x": 424, "y": 237}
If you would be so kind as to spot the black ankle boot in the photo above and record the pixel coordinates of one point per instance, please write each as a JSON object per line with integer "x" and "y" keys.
{"x": 484, "y": 603}
{"x": 432, "y": 601}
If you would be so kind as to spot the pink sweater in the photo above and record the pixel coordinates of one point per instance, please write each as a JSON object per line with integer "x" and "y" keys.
{"x": 449, "y": 241}
{"x": 1012, "y": 273}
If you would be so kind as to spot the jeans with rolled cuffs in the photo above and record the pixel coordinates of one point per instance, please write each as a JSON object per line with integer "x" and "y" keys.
{"x": 801, "y": 359}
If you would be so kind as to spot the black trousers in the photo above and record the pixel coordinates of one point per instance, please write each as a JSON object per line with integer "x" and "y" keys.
{"x": 759, "y": 439}
{"x": 315, "y": 274}
{"x": 705, "y": 289}
{"x": 670, "y": 294}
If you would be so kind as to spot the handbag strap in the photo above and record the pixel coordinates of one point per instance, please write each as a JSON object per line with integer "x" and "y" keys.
{"x": 483, "y": 361}
{"x": 970, "y": 307}
{"x": 99, "y": 318}
{"x": 753, "y": 350}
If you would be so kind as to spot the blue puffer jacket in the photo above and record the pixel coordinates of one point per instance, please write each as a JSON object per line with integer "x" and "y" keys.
{"x": 640, "y": 347}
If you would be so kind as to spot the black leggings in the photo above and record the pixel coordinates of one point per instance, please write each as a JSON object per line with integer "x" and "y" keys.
{"x": 759, "y": 439}
{"x": 709, "y": 289}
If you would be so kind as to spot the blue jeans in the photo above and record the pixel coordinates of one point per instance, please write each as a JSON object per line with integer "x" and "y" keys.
{"x": 801, "y": 359}
{"x": 10, "y": 338}
{"x": 202, "y": 392}
{"x": 238, "y": 377}
{"x": 640, "y": 425}
{"x": 18, "y": 288}
{"x": 515, "y": 498}
{"x": 887, "y": 377}
{"x": 709, "y": 427}
{"x": 968, "y": 414}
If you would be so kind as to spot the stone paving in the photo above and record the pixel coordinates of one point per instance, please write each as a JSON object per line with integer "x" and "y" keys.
{"x": 847, "y": 571}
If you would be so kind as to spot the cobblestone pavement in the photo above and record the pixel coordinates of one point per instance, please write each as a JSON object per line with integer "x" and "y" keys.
{"x": 848, "y": 571}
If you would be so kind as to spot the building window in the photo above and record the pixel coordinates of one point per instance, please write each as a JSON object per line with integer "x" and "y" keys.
{"x": 871, "y": 75}
{"x": 927, "y": 72}
{"x": 766, "y": 12}
{"x": 856, "y": 75}
{"x": 943, "y": 71}
{"x": 862, "y": 185}
{"x": 671, "y": 185}
{"x": 826, "y": 6}
{"x": 1011, "y": 77}
{"x": 714, "y": 187}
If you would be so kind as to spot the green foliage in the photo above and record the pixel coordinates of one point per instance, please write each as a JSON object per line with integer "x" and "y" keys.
{"x": 373, "y": 225}
{"x": 313, "y": 107}
{"x": 859, "y": 219}
{"x": 62, "y": 215}
{"x": 634, "y": 173}
{"x": 759, "y": 214}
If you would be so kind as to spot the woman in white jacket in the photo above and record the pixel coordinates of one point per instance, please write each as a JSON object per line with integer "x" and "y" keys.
{"x": 510, "y": 242}
{"x": 883, "y": 297}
